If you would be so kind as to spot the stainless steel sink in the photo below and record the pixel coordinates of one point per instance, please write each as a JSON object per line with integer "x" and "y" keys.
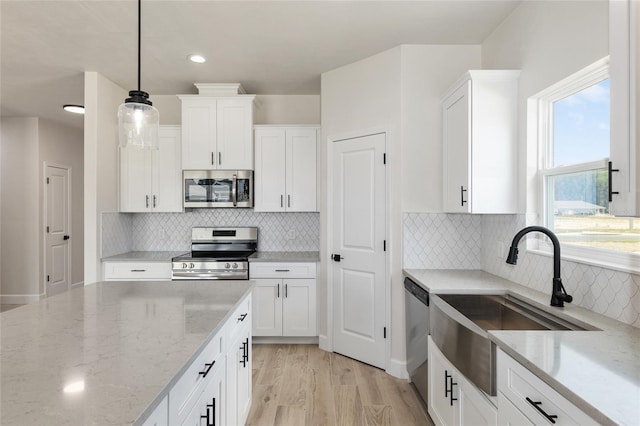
{"x": 459, "y": 325}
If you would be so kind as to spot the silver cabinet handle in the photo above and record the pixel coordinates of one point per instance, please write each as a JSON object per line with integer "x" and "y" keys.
{"x": 213, "y": 161}
{"x": 220, "y": 158}
{"x": 146, "y": 203}
{"x": 154, "y": 201}
{"x": 288, "y": 200}
{"x": 282, "y": 270}
{"x": 281, "y": 200}
{"x": 138, "y": 270}
{"x": 285, "y": 290}
{"x": 278, "y": 296}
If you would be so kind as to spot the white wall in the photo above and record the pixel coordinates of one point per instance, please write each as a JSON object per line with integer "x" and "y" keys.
{"x": 548, "y": 41}
{"x": 398, "y": 90}
{"x": 21, "y": 281}
{"x": 270, "y": 109}
{"x": 101, "y": 100}
{"x": 63, "y": 145}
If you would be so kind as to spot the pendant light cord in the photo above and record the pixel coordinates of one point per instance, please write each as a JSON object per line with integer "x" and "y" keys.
{"x": 139, "y": 38}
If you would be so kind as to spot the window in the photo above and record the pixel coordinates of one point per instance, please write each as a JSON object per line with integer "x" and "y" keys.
{"x": 574, "y": 122}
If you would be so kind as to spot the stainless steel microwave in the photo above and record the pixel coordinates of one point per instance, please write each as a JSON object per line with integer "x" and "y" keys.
{"x": 218, "y": 188}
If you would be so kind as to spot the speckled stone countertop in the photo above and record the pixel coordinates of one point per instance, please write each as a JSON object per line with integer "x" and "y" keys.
{"x": 598, "y": 371}
{"x": 106, "y": 343}
{"x": 285, "y": 256}
{"x": 144, "y": 256}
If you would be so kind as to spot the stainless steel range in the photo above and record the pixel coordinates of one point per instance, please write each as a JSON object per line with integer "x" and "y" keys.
{"x": 217, "y": 254}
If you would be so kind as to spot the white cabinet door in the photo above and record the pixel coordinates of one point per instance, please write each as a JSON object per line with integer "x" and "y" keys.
{"x": 151, "y": 180}
{"x": 270, "y": 174}
{"x": 238, "y": 378}
{"x": 267, "y": 307}
{"x": 286, "y": 169}
{"x": 135, "y": 179}
{"x": 456, "y": 113}
{"x": 199, "y": 147}
{"x": 234, "y": 134}
{"x": 167, "y": 171}
{"x": 475, "y": 409}
{"x": 443, "y": 393}
{"x": 480, "y": 143}
{"x": 301, "y": 166}
{"x": 299, "y": 307}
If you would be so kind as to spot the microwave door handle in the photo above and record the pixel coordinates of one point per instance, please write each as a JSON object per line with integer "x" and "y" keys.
{"x": 234, "y": 190}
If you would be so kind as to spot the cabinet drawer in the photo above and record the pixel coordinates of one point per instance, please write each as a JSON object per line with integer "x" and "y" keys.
{"x": 189, "y": 387}
{"x": 282, "y": 270}
{"x": 131, "y": 271}
{"x": 240, "y": 317}
{"x": 523, "y": 388}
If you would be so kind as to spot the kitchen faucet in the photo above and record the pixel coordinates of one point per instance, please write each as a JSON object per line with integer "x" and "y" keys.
{"x": 558, "y": 293}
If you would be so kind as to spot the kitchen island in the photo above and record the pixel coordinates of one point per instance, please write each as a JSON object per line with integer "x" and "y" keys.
{"x": 107, "y": 353}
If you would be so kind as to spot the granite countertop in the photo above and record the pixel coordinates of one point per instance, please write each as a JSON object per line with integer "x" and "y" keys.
{"x": 119, "y": 345}
{"x": 285, "y": 256}
{"x": 144, "y": 256}
{"x": 598, "y": 371}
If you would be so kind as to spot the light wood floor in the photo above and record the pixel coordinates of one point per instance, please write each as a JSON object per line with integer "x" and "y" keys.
{"x": 302, "y": 385}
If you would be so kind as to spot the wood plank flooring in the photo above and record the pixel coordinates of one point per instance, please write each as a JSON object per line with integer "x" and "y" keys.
{"x": 300, "y": 385}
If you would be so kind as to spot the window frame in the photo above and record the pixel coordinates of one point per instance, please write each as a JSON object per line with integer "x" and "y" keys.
{"x": 588, "y": 76}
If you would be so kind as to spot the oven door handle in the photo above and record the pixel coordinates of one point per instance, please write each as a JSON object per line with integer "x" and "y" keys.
{"x": 234, "y": 190}
{"x": 240, "y": 275}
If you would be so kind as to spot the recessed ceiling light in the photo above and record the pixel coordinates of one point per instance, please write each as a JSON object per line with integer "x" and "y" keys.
{"x": 76, "y": 109}
{"x": 198, "y": 59}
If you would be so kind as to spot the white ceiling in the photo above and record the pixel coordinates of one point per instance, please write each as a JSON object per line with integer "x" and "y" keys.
{"x": 270, "y": 47}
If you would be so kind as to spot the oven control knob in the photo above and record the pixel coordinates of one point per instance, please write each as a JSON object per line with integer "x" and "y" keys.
{"x": 227, "y": 266}
{"x": 184, "y": 266}
{"x": 235, "y": 265}
{"x": 191, "y": 265}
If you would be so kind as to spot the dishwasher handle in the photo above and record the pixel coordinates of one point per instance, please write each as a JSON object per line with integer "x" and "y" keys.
{"x": 416, "y": 290}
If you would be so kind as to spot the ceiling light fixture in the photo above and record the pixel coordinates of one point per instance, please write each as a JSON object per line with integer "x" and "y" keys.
{"x": 138, "y": 120}
{"x": 76, "y": 109}
{"x": 198, "y": 59}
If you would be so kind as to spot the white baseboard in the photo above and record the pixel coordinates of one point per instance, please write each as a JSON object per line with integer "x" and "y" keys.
{"x": 282, "y": 340}
{"x": 397, "y": 369}
{"x": 19, "y": 299}
{"x": 78, "y": 284}
{"x": 324, "y": 343}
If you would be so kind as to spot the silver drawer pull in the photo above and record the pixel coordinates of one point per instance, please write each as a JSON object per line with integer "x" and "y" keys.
{"x": 282, "y": 270}
{"x": 138, "y": 270}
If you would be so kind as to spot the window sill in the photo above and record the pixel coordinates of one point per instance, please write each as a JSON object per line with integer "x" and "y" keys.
{"x": 623, "y": 262}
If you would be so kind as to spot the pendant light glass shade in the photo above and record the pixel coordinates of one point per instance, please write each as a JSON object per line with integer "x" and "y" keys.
{"x": 138, "y": 122}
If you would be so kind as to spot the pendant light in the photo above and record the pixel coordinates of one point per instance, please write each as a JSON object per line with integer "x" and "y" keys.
{"x": 138, "y": 119}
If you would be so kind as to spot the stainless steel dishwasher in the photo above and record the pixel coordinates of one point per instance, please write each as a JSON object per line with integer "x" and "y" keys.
{"x": 417, "y": 331}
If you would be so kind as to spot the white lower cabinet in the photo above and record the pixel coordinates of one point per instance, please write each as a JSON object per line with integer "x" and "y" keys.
{"x": 453, "y": 400}
{"x": 284, "y": 306}
{"x": 216, "y": 388}
{"x": 526, "y": 396}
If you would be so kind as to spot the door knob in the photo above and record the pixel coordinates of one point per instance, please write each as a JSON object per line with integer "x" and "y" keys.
{"x": 66, "y": 237}
{"x": 336, "y": 257}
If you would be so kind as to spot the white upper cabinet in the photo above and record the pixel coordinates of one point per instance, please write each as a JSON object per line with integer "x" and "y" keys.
{"x": 480, "y": 143}
{"x": 286, "y": 168}
{"x": 217, "y": 132}
{"x": 151, "y": 180}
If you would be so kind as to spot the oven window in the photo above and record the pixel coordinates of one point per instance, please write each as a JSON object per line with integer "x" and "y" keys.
{"x": 208, "y": 190}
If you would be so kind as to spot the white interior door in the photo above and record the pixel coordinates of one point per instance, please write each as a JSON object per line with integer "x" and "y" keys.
{"x": 57, "y": 238}
{"x": 359, "y": 222}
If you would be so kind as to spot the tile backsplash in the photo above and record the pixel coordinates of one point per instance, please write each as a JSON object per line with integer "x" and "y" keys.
{"x": 448, "y": 241}
{"x": 122, "y": 232}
